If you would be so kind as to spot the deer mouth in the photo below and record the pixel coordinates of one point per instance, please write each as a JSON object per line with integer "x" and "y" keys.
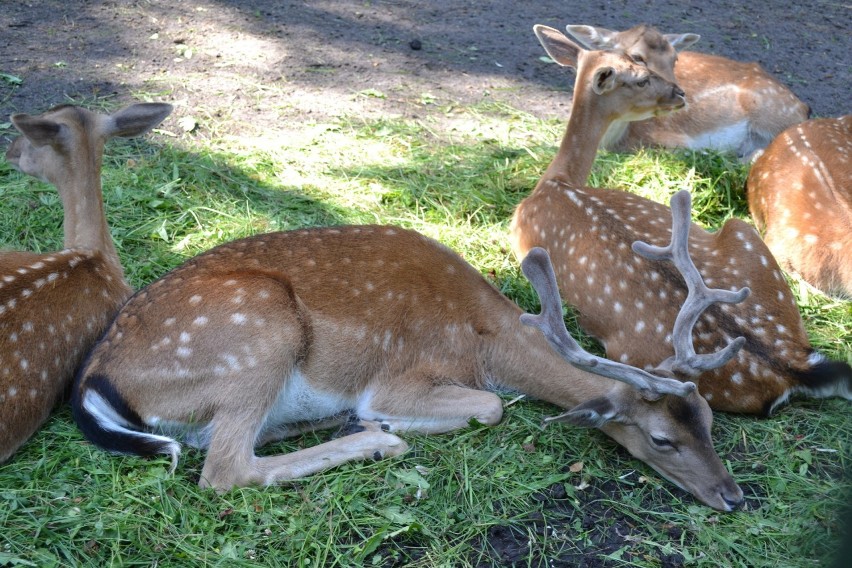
{"x": 675, "y": 106}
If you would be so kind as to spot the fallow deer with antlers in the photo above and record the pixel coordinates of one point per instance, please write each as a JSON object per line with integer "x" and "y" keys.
{"x": 800, "y": 196}
{"x": 733, "y": 106}
{"x": 54, "y": 306}
{"x": 628, "y": 302}
{"x": 282, "y": 333}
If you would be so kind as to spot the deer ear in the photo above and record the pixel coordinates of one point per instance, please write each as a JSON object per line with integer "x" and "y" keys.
{"x": 681, "y": 41}
{"x": 137, "y": 119}
{"x": 593, "y": 413}
{"x": 604, "y": 80}
{"x": 39, "y": 131}
{"x": 591, "y": 37}
{"x": 558, "y": 47}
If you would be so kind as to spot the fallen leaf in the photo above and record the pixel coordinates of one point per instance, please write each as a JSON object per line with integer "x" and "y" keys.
{"x": 187, "y": 123}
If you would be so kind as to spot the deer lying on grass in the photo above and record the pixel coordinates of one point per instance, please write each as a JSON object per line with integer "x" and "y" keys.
{"x": 628, "y": 302}
{"x": 733, "y": 106}
{"x": 282, "y": 333}
{"x": 54, "y": 306}
{"x": 800, "y": 196}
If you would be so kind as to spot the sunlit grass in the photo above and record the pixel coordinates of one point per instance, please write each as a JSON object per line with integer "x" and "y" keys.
{"x": 64, "y": 502}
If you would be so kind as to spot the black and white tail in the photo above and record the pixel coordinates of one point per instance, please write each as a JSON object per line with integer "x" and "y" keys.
{"x": 107, "y": 421}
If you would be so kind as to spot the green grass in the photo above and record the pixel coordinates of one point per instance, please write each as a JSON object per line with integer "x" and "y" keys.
{"x": 463, "y": 499}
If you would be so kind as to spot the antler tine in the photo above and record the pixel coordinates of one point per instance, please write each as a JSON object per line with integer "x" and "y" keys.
{"x": 699, "y": 297}
{"x": 539, "y": 271}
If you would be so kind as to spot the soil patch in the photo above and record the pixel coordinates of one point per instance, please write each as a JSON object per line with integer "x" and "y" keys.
{"x": 250, "y": 65}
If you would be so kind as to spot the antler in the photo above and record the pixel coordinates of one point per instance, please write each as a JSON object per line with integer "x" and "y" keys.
{"x": 686, "y": 361}
{"x": 539, "y": 271}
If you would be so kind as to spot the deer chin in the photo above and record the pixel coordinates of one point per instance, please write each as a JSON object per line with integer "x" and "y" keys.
{"x": 663, "y": 111}
{"x": 725, "y": 496}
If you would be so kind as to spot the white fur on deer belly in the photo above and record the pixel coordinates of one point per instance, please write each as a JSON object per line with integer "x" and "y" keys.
{"x": 299, "y": 402}
{"x": 727, "y": 138}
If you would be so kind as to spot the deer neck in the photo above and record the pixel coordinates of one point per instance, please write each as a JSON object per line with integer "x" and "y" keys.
{"x": 583, "y": 134}
{"x": 526, "y": 363}
{"x": 85, "y": 225}
{"x": 615, "y": 133}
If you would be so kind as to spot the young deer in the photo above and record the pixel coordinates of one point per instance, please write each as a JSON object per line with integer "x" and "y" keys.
{"x": 733, "y": 106}
{"x": 800, "y": 196}
{"x": 54, "y": 306}
{"x": 627, "y": 302}
{"x": 282, "y": 333}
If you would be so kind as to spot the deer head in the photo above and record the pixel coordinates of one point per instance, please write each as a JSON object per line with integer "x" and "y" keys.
{"x": 609, "y": 87}
{"x": 733, "y": 106}
{"x": 643, "y": 44}
{"x": 673, "y": 454}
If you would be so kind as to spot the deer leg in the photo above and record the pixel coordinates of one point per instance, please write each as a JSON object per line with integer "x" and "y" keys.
{"x": 429, "y": 408}
{"x": 290, "y": 430}
{"x": 231, "y": 460}
{"x": 239, "y": 347}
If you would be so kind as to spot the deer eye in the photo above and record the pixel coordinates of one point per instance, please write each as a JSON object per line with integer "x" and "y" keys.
{"x": 662, "y": 442}
{"x": 638, "y": 59}
{"x": 643, "y": 82}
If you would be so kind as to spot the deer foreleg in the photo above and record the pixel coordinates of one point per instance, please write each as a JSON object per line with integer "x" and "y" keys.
{"x": 429, "y": 408}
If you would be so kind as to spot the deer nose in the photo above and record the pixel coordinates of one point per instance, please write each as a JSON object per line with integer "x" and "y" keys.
{"x": 678, "y": 92}
{"x": 732, "y": 504}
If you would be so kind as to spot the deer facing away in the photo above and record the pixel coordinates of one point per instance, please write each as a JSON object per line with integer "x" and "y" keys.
{"x": 733, "y": 106}
{"x": 54, "y": 306}
{"x": 281, "y": 333}
{"x": 800, "y": 196}
{"x": 628, "y": 302}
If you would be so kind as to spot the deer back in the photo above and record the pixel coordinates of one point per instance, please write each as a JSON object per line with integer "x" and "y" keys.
{"x": 630, "y": 303}
{"x": 376, "y": 300}
{"x": 800, "y": 196}
{"x": 52, "y": 309}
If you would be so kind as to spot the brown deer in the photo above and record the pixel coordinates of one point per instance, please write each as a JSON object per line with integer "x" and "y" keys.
{"x": 733, "y": 106}
{"x": 54, "y": 306}
{"x": 628, "y": 302}
{"x": 282, "y": 333}
{"x": 800, "y": 196}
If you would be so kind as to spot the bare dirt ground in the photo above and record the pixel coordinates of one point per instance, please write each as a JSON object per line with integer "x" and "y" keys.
{"x": 243, "y": 67}
{"x": 253, "y": 64}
